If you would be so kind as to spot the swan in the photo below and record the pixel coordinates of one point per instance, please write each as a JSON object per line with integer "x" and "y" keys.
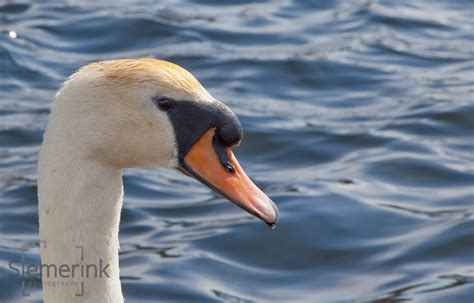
{"x": 117, "y": 114}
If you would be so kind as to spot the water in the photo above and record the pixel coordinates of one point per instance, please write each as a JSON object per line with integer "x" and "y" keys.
{"x": 358, "y": 119}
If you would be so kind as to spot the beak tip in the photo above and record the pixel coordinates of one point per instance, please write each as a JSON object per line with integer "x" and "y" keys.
{"x": 272, "y": 221}
{"x": 272, "y": 225}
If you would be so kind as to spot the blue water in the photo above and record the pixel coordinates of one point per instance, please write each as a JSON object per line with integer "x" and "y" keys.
{"x": 359, "y": 123}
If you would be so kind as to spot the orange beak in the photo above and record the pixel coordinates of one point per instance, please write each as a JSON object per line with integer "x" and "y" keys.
{"x": 203, "y": 163}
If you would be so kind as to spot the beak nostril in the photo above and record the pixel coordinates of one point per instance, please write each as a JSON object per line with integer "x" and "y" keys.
{"x": 222, "y": 155}
{"x": 229, "y": 167}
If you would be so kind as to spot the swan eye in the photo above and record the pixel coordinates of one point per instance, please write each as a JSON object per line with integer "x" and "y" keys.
{"x": 165, "y": 103}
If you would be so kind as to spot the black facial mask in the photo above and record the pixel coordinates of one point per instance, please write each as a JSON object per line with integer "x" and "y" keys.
{"x": 192, "y": 119}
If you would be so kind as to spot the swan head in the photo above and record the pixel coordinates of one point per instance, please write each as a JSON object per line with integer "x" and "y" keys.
{"x": 153, "y": 113}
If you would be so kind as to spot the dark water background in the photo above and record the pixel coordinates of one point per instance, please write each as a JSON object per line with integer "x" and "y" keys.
{"x": 358, "y": 119}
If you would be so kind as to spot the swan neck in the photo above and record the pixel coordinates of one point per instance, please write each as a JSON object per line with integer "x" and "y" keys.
{"x": 79, "y": 212}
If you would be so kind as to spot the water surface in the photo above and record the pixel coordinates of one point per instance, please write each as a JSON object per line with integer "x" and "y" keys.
{"x": 358, "y": 119}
